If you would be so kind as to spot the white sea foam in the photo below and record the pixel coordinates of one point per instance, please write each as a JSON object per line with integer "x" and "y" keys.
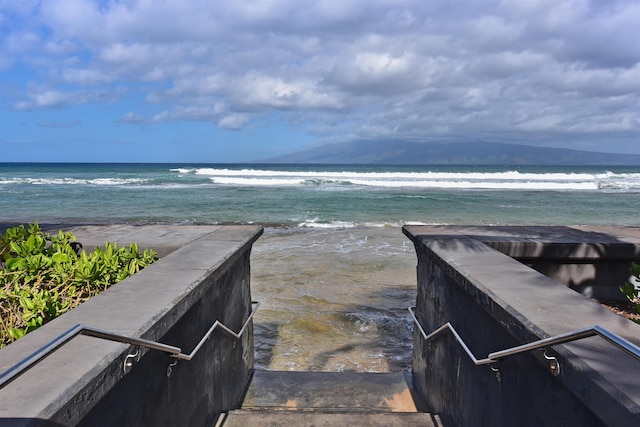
{"x": 270, "y": 181}
{"x": 495, "y": 185}
{"x": 507, "y": 175}
{"x": 606, "y": 181}
{"x": 507, "y": 180}
{"x": 336, "y": 224}
{"x": 314, "y": 223}
{"x": 183, "y": 171}
{"x": 73, "y": 181}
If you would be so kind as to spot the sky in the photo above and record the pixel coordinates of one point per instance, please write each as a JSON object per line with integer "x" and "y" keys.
{"x": 244, "y": 80}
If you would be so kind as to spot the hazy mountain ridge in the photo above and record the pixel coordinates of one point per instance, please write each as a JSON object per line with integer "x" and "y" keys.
{"x": 464, "y": 153}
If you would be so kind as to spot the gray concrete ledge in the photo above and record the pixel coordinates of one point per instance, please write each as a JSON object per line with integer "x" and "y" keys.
{"x": 591, "y": 260}
{"x": 496, "y": 302}
{"x": 202, "y": 277}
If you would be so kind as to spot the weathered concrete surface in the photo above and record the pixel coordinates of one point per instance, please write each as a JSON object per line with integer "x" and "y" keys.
{"x": 496, "y": 302}
{"x": 277, "y": 398}
{"x": 388, "y": 392}
{"x": 591, "y": 260}
{"x": 203, "y": 277}
{"x": 330, "y": 419}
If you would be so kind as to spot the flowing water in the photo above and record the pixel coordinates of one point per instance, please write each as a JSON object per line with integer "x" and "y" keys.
{"x": 334, "y": 300}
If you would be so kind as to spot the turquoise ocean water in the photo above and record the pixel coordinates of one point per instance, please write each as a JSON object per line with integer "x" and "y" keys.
{"x": 333, "y": 272}
{"x": 318, "y": 196}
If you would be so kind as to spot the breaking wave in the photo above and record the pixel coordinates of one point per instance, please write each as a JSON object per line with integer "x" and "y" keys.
{"x": 507, "y": 180}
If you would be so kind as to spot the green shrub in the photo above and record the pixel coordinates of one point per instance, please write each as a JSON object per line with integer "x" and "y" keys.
{"x": 44, "y": 276}
{"x": 630, "y": 290}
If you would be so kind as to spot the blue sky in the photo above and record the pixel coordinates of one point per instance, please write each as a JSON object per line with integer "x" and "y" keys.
{"x": 233, "y": 81}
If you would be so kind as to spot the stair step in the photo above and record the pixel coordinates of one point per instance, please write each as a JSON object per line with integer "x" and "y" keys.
{"x": 345, "y": 391}
{"x": 275, "y": 418}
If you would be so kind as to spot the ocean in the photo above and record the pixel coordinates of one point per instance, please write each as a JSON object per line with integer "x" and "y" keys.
{"x": 333, "y": 271}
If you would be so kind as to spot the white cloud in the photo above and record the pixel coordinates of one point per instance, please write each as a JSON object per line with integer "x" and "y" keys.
{"x": 86, "y": 77}
{"x": 50, "y": 98}
{"x": 257, "y": 90}
{"x": 191, "y": 113}
{"x": 351, "y": 69}
{"x": 133, "y": 118}
{"x": 379, "y": 73}
{"x": 45, "y": 99}
{"x": 233, "y": 121}
{"x": 60, "y": 47}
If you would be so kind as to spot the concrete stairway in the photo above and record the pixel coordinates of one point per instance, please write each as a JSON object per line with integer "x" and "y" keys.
{"x": 330, "y": 399}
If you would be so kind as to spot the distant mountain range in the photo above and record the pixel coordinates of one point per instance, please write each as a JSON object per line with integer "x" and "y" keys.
{"x": 465, "y": 153}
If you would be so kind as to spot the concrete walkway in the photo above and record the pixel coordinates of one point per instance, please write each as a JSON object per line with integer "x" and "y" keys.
{"x": 277, "y": 398}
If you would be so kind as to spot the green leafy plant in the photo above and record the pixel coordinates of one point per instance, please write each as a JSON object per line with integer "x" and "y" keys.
{"x": 44, "y": 276}
{"x": 630, "y": 291}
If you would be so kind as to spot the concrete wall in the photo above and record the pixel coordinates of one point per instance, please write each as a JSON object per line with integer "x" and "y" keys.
{"x": 596, "y": 269}
{"x": 594, "y": 261}
{"x": 496, "y": 302}
{"x": 203, "y": 278}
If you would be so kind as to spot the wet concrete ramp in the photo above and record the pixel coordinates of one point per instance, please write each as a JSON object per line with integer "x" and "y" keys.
{"x": 276, "y": 398}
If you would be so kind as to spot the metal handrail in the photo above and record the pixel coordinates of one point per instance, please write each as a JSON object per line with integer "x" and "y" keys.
{"x": 175, "y": 352}
{"x": 578, "y": 334}
{"x": 216, "y": 324}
